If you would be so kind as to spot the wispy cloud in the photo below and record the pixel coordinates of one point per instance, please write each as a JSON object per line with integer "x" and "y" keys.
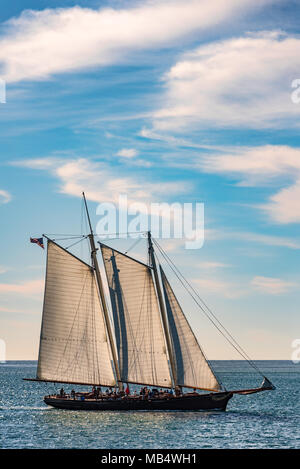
{"x": 255, "y": 165}
{"x": 271, "y": 286}
{"x": 101, "y": 183}
{"x": 29, "y": 288}
{"x": 269, "y": 240}
{"x": 127, "y": 153}
{"x": 261, "y": 165}
{"x": 240, "y": 82}
{"x": 214, "y": 285}
{"x": 258, "y": 238}
{"x": 38, "y": 44}
{"x": 4, "y": 309}
{"x": 5, "y": 197}
{"x": 211, "y": 265}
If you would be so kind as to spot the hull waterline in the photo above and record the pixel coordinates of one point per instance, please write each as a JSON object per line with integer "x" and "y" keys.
{"x": 215, "y": 401}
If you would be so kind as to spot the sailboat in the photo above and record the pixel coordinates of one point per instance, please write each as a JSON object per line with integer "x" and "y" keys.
{"x": 148, "y": 341}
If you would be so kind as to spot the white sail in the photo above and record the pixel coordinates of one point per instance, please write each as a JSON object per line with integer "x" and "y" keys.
{"x": 192, "y": 369}
{"x": 138, "y": 329}
{"x": 73, "y": 343}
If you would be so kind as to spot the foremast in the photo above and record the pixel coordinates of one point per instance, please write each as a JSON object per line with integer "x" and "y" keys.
{"x": 162, "y": 310}
{"x": 102, "y": 297}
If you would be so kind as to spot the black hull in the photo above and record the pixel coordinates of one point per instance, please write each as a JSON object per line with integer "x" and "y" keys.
{"x": 216, "y": 401}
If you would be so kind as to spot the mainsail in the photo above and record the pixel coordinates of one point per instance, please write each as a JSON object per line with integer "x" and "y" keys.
{"x": 192, "y": 368}
{"x": 73, "y": 343}
{"x": 138, "y": 329}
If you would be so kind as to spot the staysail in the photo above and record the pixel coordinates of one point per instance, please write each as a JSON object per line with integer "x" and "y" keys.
{"x": 73, "y": 342}
{"x": 192, "y": 368}
{"x": 138, "y": 329}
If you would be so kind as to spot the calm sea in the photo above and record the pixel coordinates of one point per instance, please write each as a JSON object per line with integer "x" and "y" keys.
{"x": 265, "y": 420}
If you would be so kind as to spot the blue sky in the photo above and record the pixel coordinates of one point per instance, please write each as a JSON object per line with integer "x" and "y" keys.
{"x": 198, "y": 94}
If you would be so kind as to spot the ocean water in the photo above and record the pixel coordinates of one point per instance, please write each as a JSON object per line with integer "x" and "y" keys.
{"x": 264, "y": 420}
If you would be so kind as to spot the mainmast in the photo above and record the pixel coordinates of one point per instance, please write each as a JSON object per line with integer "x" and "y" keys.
{"x": 162, "y": 309}
{"x": 102, "y": 296}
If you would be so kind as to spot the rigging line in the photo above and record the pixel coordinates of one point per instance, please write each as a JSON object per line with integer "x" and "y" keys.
{"x": 201, "y": 349}
{"x": 107, "y": 295}
{"x": 233, "y": 342}
{"x": 191, "y": 287}
{"x": 107, "y": 235}
{"x": 82, "y": 220}
{"x": 241, "y": 351}
{"x": 73, "y": 322}
{"x": 74, "y": 244}
{"x": 133, "y": 246}
{"x": 69, "y": 238}
{"x": 108, "y": 238}
{"x": 64, "y": 234}
{"x": 136, "y": 358}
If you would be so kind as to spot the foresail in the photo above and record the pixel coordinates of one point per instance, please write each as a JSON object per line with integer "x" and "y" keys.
{"x": 73, "y": 343}
{"x": 192, "y": 369}
{"x": 138, "y": 330}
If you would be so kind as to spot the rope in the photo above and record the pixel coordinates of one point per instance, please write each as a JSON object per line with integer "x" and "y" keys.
{"x": 64, "y": 234}
{"x": 133, "y": 246}
{"x": 215, "y": 321}
{"x": 74, "y": 244}
{"x": 118, "y": 235}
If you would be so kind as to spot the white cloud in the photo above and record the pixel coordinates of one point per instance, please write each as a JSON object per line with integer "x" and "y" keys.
{"x": 38, "y": 44}
{"x": 128, "y": 152}
{"x": 244, "y": 81}
{"x": 254, "y": 164}
{"x": 102, "y": 183}
{"x": 272, "y": 286}
{"x": 5, "y": 197}
{"x": 284, "y": 206}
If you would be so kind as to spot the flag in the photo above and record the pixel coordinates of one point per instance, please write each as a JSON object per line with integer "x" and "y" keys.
{"x": 38, "y": 241}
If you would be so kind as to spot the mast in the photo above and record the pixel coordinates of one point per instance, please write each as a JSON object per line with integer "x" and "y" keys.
{"x": 139, "y": 334}
{"x": 162, "y": 310}
{"x": 102, "y": 296}
{"x": 193, "y": 368}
